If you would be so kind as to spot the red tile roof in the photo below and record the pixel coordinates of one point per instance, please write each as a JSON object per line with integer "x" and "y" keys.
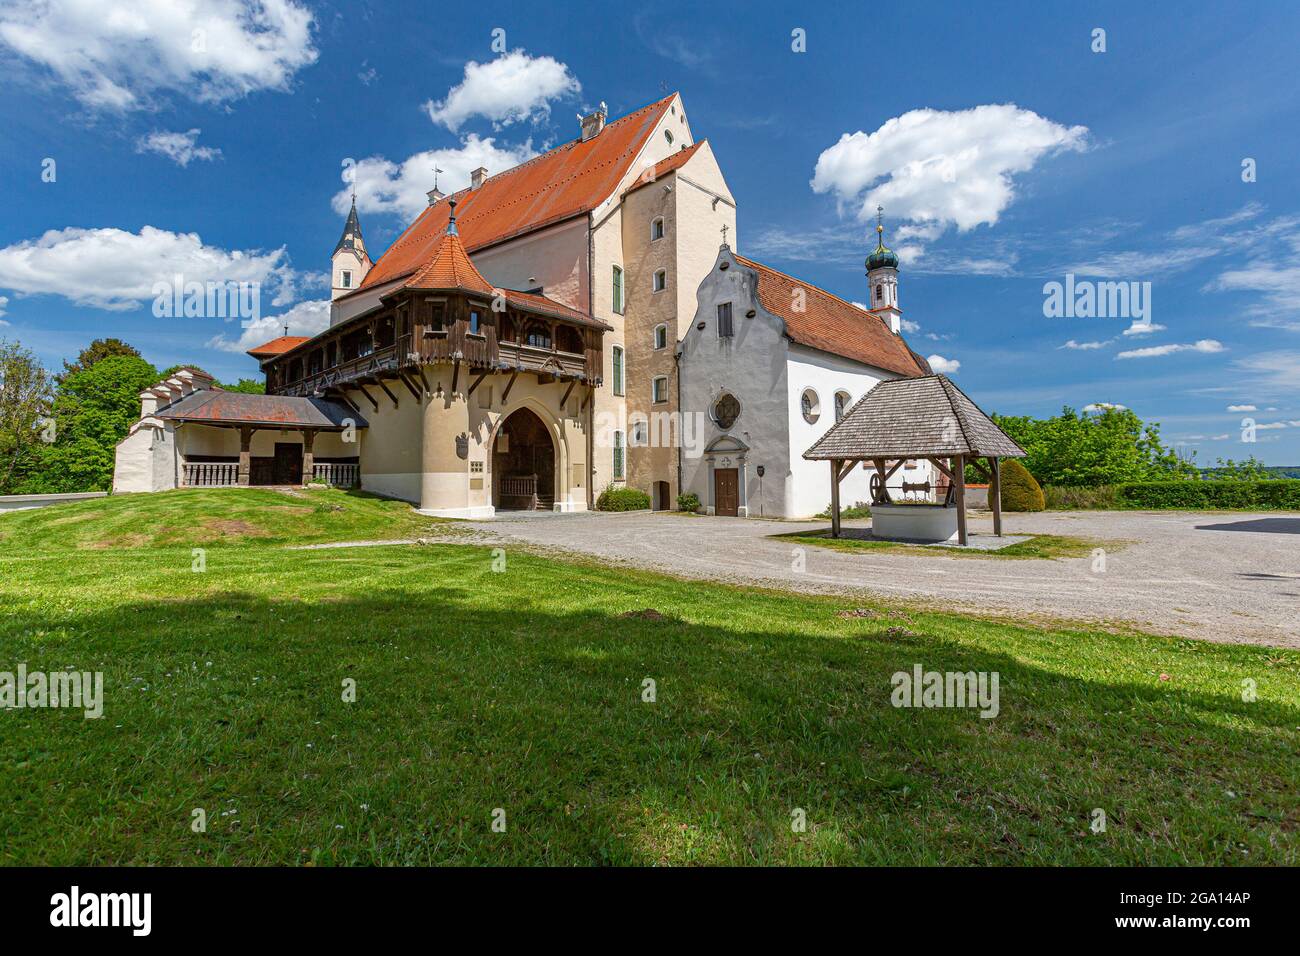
{"x": 832, "y": 325}
{"x": 532, "y": 302}
{"x": 567, "y": 181}
{"x": 664, "y": 166}
{"x": 448, "y": 267}
{"x": 279, "y": 346}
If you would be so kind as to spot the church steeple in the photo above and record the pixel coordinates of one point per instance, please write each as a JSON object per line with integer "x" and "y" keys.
{"x": 882, "y": 278}
{"x": 350, "y": 262}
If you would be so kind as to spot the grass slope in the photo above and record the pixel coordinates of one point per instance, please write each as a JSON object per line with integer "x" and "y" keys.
{"x": 521, "y": 689}
{"x": 1038, "y": 546}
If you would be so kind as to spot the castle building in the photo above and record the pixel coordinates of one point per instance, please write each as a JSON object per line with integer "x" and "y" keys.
{"x": 540, "y": 336}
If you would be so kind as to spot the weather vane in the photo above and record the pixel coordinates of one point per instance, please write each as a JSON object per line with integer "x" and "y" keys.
{"x": 436, "y": 171}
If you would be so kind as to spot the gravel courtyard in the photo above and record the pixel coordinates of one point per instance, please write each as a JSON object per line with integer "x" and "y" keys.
{"x": 1230, "y": 577}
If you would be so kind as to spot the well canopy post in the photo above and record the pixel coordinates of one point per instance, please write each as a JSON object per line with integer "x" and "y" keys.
{"x": 835, "y": 497}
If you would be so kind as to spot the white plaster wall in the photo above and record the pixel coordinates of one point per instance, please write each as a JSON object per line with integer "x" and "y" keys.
{"x": 555, "y": 257}
{"x": 810, "y": 487}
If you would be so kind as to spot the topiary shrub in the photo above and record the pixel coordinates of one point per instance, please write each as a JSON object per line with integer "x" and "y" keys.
{"x": 622, "y": 499}
{"x": 689, "y": 501}
{"x": 1020, "y": 492}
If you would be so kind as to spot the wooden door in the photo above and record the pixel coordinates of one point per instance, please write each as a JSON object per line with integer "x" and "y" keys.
{"x": 726, "y": 492}
{"x": 288, "y": 463}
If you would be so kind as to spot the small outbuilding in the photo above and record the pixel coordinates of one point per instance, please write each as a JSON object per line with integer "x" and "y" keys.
{"x": 906, "y": 419}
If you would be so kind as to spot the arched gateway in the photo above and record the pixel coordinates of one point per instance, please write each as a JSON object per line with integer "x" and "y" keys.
{"x": 523, "y": 464}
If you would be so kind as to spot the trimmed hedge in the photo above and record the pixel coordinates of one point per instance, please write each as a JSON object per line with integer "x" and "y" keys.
{"x": 1276, "y": 495}
{"x": 1020, "y": 492}
{"x": 622, "y": 499}
{"x": 1061, "y": 498}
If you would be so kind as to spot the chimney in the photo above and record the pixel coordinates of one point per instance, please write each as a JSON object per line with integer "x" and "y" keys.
{"x": 478, "y": 177}
{"x": 593, "y": 123}
{"x": 434, "y": 195}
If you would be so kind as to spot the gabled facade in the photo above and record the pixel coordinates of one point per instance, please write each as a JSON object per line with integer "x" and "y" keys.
{"x": 770, "y": 363}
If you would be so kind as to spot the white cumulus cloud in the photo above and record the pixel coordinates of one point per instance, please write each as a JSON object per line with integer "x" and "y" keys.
{"x": 114, "y": 269}
{"x": 1102, "y": 406}
{"x": 938, "y": 169}
{"x": 1201, "y": 345}
{"x": 305, "y": 318}
{"x": 942, "y": 365}
{"x": 1085, "y": 346}
{"x": 1242, "y": 408}
{"x": 513, "y": 88}
{"x": 181, "y": 148}
{"x": 116, "y": 54}
{"x": 1144, "y": 328}
{"x": 401, "y": 187}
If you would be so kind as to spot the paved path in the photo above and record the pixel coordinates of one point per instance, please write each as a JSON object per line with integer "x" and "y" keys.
{"x": 1231, "y": 577}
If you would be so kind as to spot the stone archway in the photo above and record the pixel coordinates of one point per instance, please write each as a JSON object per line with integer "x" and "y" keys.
{"x": 523, "y": 464}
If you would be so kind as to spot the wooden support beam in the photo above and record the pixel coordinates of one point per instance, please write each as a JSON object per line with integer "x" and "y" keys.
{"x": 959, "y": 473}
{"x": 477, "y": 382}
{"x": 424, "y": 380}
{"x": 410, "y": 386}
{"x": 509, "y": 385}
{"x": 370, "y": 398}
{"x": 567, "y": 391}
{"x": 848, "y": 467}
{"x": 387, "y": 392}
{"x": 455, "y": 376}
{"x": 995, "y": 495}
{"x": 879, "y": 464}
{"x": 944, "y": 469}
{"x": 835, "y": 497}
{"x": 897, "y": 465}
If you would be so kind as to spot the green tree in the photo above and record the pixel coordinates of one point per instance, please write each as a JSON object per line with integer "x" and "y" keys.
{"x": 25, "y": 397}
{"x": 93, "y": 410}
{"x": 1249, "y": 469}
{"x": 1105, "y": 448}
{"x": 248, "y": 386}
{"x": 96, "y": 351}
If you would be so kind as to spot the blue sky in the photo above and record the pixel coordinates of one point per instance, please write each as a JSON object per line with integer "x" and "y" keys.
{"x": 1007, "y": 153}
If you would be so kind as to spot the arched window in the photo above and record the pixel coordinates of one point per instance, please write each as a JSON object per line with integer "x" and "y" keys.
{"x": 841, "y": 405}
{"x": 661, "y": 337}
{"x": 810, "y": 405}
{"x": 880, "y": 293}
{"x": 657, "y": 229}
{"x": 659, "y": 389}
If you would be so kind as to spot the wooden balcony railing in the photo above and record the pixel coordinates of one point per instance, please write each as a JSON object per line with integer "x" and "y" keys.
{"x": 207, "y": 474}
{"x": 385, "y": 359}
{"x": 337, "y": 475}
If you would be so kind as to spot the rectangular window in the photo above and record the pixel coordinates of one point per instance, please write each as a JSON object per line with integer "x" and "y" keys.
{"x": 437, "y": 317}
{"x": 617, "y": 356}
{"x": 661, "y": 281}
{"x": 347, "y": 279}
{"x": 725, "y": 328}
{"x": 618, "y": 456}
{"x": 656, "y": 230}
{"x": 618, "y": 290}
{"x": 659, "y": 390}
{"x": 474, "y": 321}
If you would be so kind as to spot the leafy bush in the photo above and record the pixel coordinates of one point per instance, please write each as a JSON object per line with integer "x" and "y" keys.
{"x": 859, "y": 509}
{"x": 1089, "y": 449}
{"x": 688, "y": 501}
{"x": 1020, "y": 492}
{"x": 622, "y": 499}
{"x": 1276, "y": 494}
{"x": 1059, "y": 498}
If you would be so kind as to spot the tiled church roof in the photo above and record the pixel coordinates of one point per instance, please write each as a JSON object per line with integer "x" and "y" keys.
{"x": 830, "y": 324}
{"x": 285, "y": 343}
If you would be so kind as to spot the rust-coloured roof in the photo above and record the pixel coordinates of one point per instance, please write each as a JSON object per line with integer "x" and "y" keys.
{"x": 532, "y": 302}
{"x": 448, "y": 267}
{"x": 567, "y": 181}
{"x": 279, "y": 346}
{"x": 665, "y": 166}
{"x": 213, "y": 407}
{"x": 832, "y": 325}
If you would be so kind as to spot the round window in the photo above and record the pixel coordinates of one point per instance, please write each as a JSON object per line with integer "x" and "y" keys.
{"x": 725, "y": 411}
{"x": 811, "y": 405}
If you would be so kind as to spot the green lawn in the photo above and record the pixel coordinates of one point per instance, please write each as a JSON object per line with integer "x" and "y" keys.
{"x": 522, "y": 690}
{"x": 1037, "y": 546}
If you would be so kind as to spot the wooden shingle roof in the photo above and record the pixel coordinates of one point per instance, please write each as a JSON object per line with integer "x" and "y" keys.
{"x": 215, "y": 407}
{"x": 914, "y": 418}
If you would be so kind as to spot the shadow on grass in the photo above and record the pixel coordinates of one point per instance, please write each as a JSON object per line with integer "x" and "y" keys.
{"x": 466, "y": 703}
